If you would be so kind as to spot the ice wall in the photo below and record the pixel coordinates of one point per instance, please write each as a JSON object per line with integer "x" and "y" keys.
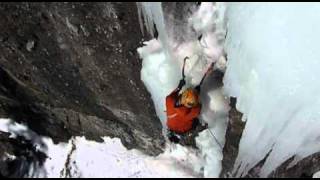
{"x": 151, "y": 14}
{"x": 273, "y": 68}
{"x": 161, "y": 72}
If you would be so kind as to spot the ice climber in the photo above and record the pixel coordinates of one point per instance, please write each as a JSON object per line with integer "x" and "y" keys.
{"x": 183, "y": 110}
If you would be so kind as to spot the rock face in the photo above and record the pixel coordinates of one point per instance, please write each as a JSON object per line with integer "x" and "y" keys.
{"x": 233, "y": 136}
{"x": 17, "y": 156}
{"x": 71, "y": 69}
{"x": 304, "y": 168}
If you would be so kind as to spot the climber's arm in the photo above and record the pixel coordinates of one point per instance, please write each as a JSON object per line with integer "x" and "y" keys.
{"x": 194, "y": 113}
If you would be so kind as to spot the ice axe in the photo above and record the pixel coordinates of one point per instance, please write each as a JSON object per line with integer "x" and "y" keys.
{"x": 182, "y": 81}
{"x": 184, "y": 64}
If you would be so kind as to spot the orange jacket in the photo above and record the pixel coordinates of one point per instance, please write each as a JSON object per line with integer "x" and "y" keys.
{"x": 180, "y": 119}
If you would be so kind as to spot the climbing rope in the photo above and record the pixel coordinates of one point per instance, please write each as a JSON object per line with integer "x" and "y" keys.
{"x": 214, "y": 137}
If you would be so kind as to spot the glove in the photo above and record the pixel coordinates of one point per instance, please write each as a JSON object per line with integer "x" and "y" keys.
{"x": 181, "y": 83}
{"x": 197, "y": 88}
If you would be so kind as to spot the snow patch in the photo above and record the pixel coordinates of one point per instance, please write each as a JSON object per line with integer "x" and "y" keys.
{"x": 9, "y": 157}
{"x": 112, "y": 159}
{"x": 88, "y": 159}
{"x": 316, "y": 175}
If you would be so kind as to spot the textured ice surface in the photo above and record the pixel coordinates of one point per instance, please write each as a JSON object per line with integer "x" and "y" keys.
{"x": 316, "y": 175}
{"x": 273, "y": 70}
{"x": 161, "y": 74}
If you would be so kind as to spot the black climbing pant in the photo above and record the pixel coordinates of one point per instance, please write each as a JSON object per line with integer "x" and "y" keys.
{"x": 188, "y": 138}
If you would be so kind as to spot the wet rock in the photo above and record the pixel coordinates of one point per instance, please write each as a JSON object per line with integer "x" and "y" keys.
{"x": 18, "y": 156}
{"x": 304, "y": 168}
{"x": 233, "y": 136}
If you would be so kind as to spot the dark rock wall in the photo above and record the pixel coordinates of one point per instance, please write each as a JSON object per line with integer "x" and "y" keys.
{"x": 70, "y": 69}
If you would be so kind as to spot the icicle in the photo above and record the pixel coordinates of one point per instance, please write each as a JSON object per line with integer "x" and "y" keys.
{"x": 273, "y": 69}
{"x": 153, "y": 14}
